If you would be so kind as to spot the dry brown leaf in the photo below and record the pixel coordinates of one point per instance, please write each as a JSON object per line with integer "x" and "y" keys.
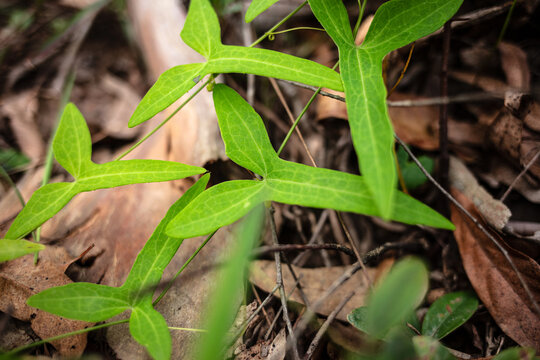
{"x": 484, "y": 82}
{"x": 515, "y": 67}
{"x": 416, "y": 126}
{"x": 21, "y": 109}
{"x": 315, "y": 281}
{"x": 20, "y": 278}
{"x": 494, "y": 280}
{"x": 494, "y": 211}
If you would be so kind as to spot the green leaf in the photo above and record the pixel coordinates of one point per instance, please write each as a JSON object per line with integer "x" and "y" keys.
{"x": 225, "y": 298}
{"x": 158, "y": 250}
{"x": 218, "y": 206}
{"x": 262, "y": 62}
{"x": 201, "y": 30}
{"x": 396, "y": 23}
{"x": 429, "y": 348}
{"x": 12, "y": 249}
{"x": 257, "y": 7}
{"x": 43, "y": 205}
{"x": 515, "y": 353}
{"x": 82, "y": 301}
{"x": 11, "y": 159}
{"x": 358, "y": 317}
{"x": 448, "y": 313}
{"x": 396, "y": 296}
{"x": 169, "y": 87}
{"x": 125, "y": 172}
{"x": 51, "y": 198}
{"x": 149, "y": 328}
{"x": 175, "y": 82}
{"x": 333, "y": 17}
{"x": 246, "y": 142}
{"x": 72, "y": 145}
{"x": 371, "y": 130}
{"x": 412, "y": 175}
{"x": 400, "y": 22}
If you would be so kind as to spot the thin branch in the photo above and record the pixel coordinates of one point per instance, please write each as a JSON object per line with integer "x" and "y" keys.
{"x": 326, "y": 324}
{"x": 435, "y": 101}
{"x": 444, "y": 159}
{"x": 476, "y": 222}
{"x": 279, "y": 281}
{"x": 520, "y": 175}
{"x": 291, "y": 118}
{"x": 303, "y": 247}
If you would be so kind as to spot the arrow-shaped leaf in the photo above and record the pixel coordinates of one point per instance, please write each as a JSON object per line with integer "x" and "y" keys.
{"x": 396, "y": 23}
{"x": 247, "y": 143}
{"x": 72, "y": 149}
{"x": 201, "y": 32}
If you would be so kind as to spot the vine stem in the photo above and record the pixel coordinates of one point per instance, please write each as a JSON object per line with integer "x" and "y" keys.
{"x": 154, "y": 130}
{"x": 271, "y": 31}
{"x": 171, "y": 282}
{"x": 62, "y": 336}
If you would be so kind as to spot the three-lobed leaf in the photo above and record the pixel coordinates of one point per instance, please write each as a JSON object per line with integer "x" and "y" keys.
{"x": 72, "y": 149}
{"x": 448, "y": 313}
{"x": 92, "y": 302}
{"x": 12, "y": 249}
{"x": 202, "y": 33}
{"x": 247, "y": 143}
{"x": 395, "y": 24}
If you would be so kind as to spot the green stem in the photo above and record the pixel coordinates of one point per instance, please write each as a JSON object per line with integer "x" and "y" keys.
{"x": 300, "y": 116}
{"x": 506, "y": 22}
{"x": 188, "y": 329}
{"x": 295, "y": 29}
{"x": 271, "y": 31}
{"x": 360, "y": 16}
{"x": 133, "y": 147}
{"x": 66, "y": 93}
{"x": 13, "y": 186}
{"x": 182, "y": 268}
{"x": 62, "y": 336}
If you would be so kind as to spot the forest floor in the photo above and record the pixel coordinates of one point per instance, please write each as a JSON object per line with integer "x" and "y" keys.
{"x": 105, "y": 57}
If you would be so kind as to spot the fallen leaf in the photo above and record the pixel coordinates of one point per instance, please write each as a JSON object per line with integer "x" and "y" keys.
{"x": 315, "y": 281}
{"x": 515, "y": 66}
{"x": 494, "y": 211}
{"x": 20, "y": 278}
{"x": 21, "y": 109}
{"x": 494, "y": 280}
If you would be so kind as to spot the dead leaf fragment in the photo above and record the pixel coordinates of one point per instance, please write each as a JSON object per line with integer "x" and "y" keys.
{"x": 314, "y": 282}
{"x": 494, "y": 211}
{"x": 515, "y": 66}
{"x": 494, "y": 280}
{"x": 20, "y": 278}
